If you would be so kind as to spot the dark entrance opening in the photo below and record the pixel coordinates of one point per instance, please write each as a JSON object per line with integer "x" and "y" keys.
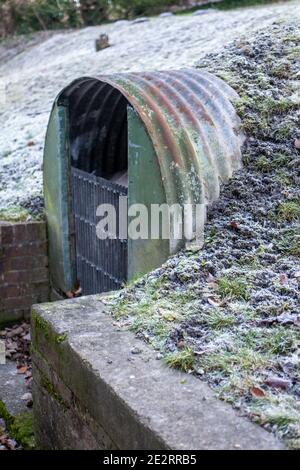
{"x": 99, "y": 164}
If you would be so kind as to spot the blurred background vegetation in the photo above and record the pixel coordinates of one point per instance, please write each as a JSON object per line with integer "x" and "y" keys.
{"x": 27, "y": 16}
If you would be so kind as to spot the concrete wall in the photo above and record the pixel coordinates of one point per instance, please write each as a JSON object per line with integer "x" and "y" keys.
{"x": 96, "y": 386}
{"x": 24, "y": 277}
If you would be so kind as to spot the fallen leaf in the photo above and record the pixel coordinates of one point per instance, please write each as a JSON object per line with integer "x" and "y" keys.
{"x": 210, "y": 278}
{"x": 14, "y": 332}
{"x": 267, "y": 321}
{"x": 169, "y": 316}
{"x": 200, "y": 353}
{"x": 278, "y": 382}
{"x": 11, "y": 444}
{"x": 70, "y": 294}
{"x": 11, "y": 345}
{"x": 297, "y": 321}
{"x": 213, "y": 302}
{"x": 26, "y": 397}
{"x": 283, "y": 279}
{"x": 257, "y": 392}
{"x": 234, "y": 225}
{"x": 181, "y": 344}
{"x": 3, "y": 439}
{"x": 212, "y": 285}
{"x": 22, "y": 370}
{"x": 30, "y": 143}
{"x": 286, "y": 319}
{"x": 78, "y": 292}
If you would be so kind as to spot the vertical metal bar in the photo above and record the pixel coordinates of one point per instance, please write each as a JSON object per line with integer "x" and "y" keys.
{"x": 101, "y": 264}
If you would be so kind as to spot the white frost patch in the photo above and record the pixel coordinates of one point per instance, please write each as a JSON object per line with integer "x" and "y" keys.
{"x": 34, "y": 77}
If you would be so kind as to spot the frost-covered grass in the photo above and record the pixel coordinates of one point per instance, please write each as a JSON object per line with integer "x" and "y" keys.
{"x": 229, "y": 313}
{"x": 14, "y": 214}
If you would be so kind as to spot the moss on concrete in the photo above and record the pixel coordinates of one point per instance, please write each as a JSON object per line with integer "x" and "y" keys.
{"x": 20, "y": 427}
{"x": 41, "y": 327}
{"x": 22, "y": 430}
{"x": 4, "y": 414}
{"x": 52, "y": 391}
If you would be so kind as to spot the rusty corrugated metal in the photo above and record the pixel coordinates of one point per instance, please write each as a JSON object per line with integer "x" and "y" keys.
{"x": 191, "y": 133}
{"x": 193, "y": 126}
{"x": 188, "y": 115}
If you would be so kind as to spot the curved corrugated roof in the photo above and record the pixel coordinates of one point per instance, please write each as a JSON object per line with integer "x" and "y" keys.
{"x": 193, "y": 126}
{"x": 194, "y": 129}
{"x": 188, "y": 115}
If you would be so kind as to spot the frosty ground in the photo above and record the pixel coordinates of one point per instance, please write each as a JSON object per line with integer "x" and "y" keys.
{"x": 230, "y": 313}
{"x": 32, "y": 73}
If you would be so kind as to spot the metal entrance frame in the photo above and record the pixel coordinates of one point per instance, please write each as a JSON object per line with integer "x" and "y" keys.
{"x": 175, "y": 132}
{"x": 101, "y": 265}
{"x": 99, "y": 151}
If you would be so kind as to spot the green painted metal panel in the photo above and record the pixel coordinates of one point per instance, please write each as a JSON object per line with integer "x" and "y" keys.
{"x": 57, "y": 200}
{"x": 184, "y": 141}
{"x": 145, "y": 186}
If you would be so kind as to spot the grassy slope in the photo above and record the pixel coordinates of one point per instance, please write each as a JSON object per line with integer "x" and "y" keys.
{"x": 230, "y": 312}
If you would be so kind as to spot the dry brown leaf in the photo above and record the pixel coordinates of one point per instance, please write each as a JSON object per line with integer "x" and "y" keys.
{"x": 278, "y": 382}
{"x": 283, "y": 279}
{"x": 70, "y": 294}
{"x": 297, "y": 143}
{"x": 297, "y": 321}
{"x": 234, "y": 225}
{"x": 214, "y": 302}
{"x": 210, "y": 278}
{"x": 257, "y": 392}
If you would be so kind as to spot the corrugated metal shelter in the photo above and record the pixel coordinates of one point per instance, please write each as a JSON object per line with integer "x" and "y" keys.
{"x": 174, "y": 134}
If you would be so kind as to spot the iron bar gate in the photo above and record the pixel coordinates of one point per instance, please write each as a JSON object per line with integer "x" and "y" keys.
{"x": 101, "y": 264}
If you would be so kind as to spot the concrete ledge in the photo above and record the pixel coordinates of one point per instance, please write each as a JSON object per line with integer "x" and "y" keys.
{"x": 91, "y": 392}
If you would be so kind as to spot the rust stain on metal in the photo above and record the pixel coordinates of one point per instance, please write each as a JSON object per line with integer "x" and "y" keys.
{"x": 192, "y": 123}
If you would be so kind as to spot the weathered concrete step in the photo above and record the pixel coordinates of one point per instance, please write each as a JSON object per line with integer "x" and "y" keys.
{"x": 91, "y": 392}
{"x": 12, "y": 388}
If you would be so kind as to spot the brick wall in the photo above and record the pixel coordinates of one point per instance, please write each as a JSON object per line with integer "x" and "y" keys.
{"x": 24, "y": 277}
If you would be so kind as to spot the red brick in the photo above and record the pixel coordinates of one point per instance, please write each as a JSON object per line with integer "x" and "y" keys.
{"x": 36, "y": 231}
{"x": 25, "y": 249}
{"x": 20, "y": 233}
{"x": 13, "y": 315}
{"x": 32, "y": 231}
{"x": 18, "y": 303}
{"x": 12, "y": 291}
{"x": 26, "y": 277}
{"x": 26, "y": 263}
{"x": 7, "y": 234}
